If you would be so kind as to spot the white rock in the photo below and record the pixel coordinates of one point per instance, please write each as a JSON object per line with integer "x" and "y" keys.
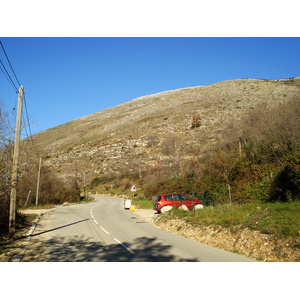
{"x": 183, "y": 207}
{"x": 198, "y": 206}
{"x": 166, "y": 208}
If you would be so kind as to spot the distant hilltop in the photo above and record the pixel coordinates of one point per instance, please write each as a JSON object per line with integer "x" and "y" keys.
{"x": 154, "y": 128}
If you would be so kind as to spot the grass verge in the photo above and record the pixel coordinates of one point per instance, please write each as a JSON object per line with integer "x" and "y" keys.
{"x": 142, "y": 203}
{"x": 279, "y": 219}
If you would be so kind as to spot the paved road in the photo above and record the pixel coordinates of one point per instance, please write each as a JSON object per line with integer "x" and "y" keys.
{"x": 102, "y": 231}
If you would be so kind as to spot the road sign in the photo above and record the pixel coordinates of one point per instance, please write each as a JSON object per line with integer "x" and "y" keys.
{"x": 133, "y": 188}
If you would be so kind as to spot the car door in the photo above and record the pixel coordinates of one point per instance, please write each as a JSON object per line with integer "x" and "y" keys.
{"x": 187, "y": 201}
{"x": 176, "y": 200}
{"x": 169, "y": 200}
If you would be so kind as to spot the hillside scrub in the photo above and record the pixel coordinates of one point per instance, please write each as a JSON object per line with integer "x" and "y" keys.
{"x": 149, "y": 131}
{"x": 262, "y": 163}
{"x": 257, "y": 158}
{"x": 52, "y": 191}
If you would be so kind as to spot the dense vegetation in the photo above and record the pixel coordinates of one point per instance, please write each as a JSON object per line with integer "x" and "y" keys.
{"x": 257, "y": 159}
{"x": 52, "y": 191}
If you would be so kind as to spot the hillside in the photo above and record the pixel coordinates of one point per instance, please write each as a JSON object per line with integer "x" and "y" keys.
{"x": 150, "y": 130}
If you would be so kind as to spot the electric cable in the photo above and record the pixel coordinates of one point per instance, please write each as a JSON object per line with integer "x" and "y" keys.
{"x": 30, "y": 132}
{"x": 8, "y": 77}
{"x": 9, "y": 63}
{"x": 6, "y": 74}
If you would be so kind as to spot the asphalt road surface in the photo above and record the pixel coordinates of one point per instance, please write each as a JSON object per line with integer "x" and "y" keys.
{"x": 103, "y": 231}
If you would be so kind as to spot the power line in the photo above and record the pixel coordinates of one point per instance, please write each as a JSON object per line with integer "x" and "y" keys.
{"x": 8, "y": 77}
{"x": 10, "y": 63}
{"x": 30, "y": 133}
{"x": 6, "y": 74}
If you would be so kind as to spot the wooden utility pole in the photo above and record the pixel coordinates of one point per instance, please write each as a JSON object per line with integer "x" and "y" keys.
{"x": 14, "y": 175}
{"x": 240, "y": 149}
{"x": 229, "y": 193}
{"x": 27, "y": 198}
{"x": 38, "y": 183}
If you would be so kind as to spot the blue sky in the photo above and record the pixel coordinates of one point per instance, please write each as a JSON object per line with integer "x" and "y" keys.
{"x": 67, "y": 78}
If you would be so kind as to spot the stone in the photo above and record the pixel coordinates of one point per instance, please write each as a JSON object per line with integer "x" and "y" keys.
{"x": 166, "y": 208}
{"x": 198, "y": 206}
{"x": 183, "y": 207}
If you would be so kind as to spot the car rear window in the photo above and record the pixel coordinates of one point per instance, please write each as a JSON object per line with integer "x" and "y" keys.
{"x": 183, "y": 197}
{"x": 171, "y": 197}
{"x": 176, "y": 197}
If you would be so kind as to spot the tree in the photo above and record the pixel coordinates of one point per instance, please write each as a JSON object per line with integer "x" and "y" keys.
{"x": 6, "y": 140}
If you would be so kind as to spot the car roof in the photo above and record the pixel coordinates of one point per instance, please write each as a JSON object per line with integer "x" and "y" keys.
{"x": 171, "y": 194}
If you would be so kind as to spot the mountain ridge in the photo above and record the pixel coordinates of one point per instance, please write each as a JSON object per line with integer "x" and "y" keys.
{"x": 150, "y": 129}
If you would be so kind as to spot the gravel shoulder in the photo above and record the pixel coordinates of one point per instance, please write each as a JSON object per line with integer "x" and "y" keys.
{"x": 35, "y": 211}
{"x": 147, "y": 215}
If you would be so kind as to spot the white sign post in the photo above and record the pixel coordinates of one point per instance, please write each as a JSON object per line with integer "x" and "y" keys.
{"x": 133, "y": 189}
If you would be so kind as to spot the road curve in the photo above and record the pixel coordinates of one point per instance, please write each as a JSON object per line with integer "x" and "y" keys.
{"x": 103, "y": 231}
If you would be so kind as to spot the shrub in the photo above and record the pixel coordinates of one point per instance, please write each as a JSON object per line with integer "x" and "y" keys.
{"x": 286, "y": 185}
{"x": 196, "y": 121}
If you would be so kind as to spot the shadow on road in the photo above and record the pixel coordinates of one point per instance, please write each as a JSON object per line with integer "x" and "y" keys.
{"x": 67, "y": 225}
{"x": 77, "y": 249}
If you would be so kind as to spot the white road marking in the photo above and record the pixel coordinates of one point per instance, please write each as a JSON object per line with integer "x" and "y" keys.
{"x": 119, "y": 242}
{"x": 124, "y": 246}
{"x": 105, "y": 230}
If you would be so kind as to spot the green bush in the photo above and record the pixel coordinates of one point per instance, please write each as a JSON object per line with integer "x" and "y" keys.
{"x": 286, "y": 185}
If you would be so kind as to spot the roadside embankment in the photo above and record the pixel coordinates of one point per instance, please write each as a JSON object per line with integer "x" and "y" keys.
{"x": 252, "y": 243}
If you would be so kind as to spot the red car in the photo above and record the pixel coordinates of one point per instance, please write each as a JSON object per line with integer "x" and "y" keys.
{"x": 176, "y": 200}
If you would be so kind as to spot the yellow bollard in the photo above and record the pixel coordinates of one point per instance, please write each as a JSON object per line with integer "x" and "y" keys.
{"x": 131, "y": 208}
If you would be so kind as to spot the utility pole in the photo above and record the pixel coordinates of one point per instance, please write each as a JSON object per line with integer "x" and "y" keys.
{"x": 240, "y": 149}
{"x": 84, "y": 191}
{"x": 38, "y": 183}
{"x": 14, "y": 175}
{"x": 229, "y": 193}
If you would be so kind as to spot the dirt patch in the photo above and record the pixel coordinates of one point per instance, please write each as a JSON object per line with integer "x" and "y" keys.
{"x": 34, "y": 211}
{"x": 13, "y": 249}
{"x": 147, "y": 215}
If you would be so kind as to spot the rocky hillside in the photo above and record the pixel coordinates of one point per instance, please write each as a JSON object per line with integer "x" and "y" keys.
{"x": 150, "y": 129}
